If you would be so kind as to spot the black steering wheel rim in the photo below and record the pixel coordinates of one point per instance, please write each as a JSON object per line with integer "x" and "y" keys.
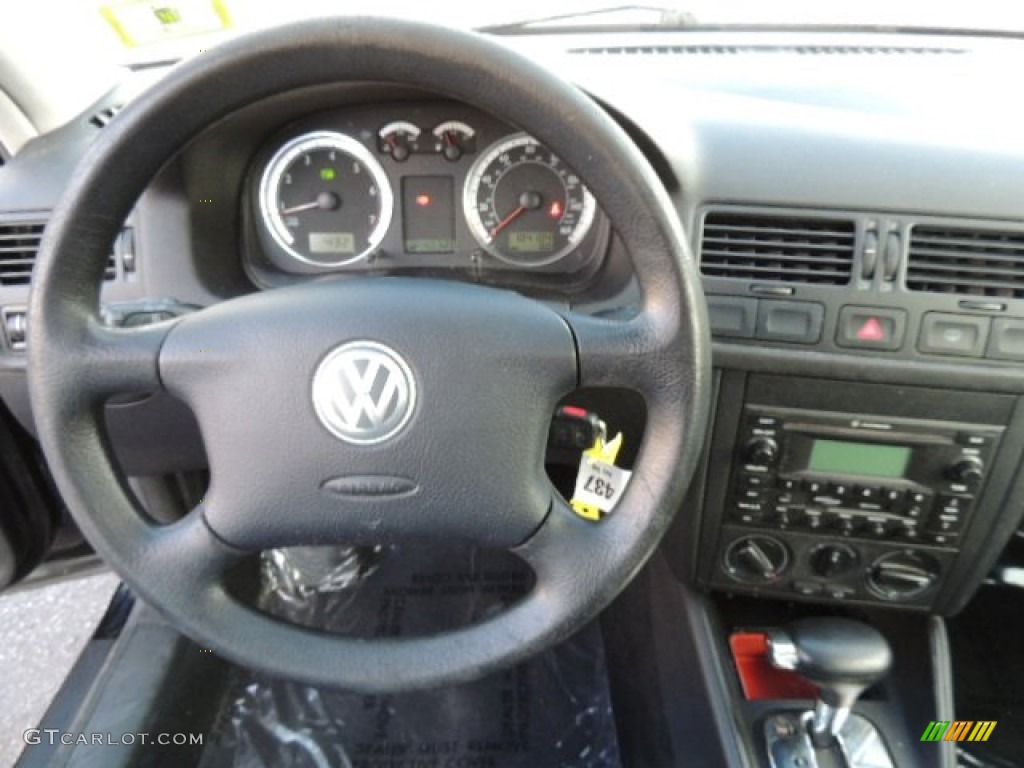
{"x": 75, "y": 362}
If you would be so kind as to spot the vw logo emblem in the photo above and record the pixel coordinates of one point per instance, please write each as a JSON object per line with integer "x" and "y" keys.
{"x": 363, "y": 392}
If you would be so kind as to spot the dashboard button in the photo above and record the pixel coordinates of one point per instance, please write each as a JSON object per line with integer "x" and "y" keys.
{"x": 807, "y": 588}
{"x": 961, "y": 335}
{"x": 894, "y": 495}
{"x": 867, "y": 493}
{"x": 838, "y": 490}
{"x": 871, "y": 328}
{"x": 814, "y": 487}
{"x": 732, "y": 316}
{"x": 1007, "y": 342}
{"x": 799, "y": 322}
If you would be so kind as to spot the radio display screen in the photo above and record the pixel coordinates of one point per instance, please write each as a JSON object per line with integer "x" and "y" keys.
{"x": 841, "y": 457}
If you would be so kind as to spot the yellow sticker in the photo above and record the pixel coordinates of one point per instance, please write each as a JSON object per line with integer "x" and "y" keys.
{"x": 599, "y": 483}
{"x": 143, "y": 22}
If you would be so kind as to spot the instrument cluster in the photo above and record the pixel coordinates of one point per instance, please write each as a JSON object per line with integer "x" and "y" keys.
{"x": 411, "y": 187}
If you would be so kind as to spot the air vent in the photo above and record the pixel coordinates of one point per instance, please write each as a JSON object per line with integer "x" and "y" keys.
{"x": 104, "y": 116}
{"x": 971, "y": 262}
{"x": 18, "y": 246}
{"x": 788, "y": 249}
{"x": 736, "y": 50}
{"x": 19, "y": 243}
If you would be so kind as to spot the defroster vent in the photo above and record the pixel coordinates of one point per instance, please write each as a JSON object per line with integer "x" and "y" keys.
{"x": 966, "y": 261}
{"x": 789, "y": 249}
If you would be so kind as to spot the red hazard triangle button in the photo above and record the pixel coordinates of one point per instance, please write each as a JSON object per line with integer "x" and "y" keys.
{"x": 871, "y": 330}
{"x": 875, "y": 328}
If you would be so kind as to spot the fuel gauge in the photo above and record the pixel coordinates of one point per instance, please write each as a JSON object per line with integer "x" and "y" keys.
{"x": 453, "y": 139}
{"x": 399, "y": 139}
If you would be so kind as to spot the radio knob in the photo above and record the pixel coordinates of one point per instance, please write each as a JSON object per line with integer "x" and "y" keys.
{"x": 968, "y": 470}
{"x": 761, "y": 451}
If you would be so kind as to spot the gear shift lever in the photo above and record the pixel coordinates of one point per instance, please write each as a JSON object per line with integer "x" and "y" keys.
{"x": 840, "y": 656}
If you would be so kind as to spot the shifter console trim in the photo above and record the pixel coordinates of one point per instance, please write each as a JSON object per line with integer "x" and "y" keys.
{"x": 787, "y": 735}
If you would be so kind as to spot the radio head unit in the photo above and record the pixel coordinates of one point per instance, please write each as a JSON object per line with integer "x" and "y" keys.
{"x": 849, "y": 506}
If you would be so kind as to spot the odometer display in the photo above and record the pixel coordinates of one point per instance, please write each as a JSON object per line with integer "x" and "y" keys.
{"x": 332, "y": 242}
{"x": 524, "y": 206}
{"x": 531, "y": 242}
{"x": 325, "y": 199}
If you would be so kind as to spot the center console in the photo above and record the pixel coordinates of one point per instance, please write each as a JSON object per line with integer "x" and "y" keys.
{"x": 849, "y": 493}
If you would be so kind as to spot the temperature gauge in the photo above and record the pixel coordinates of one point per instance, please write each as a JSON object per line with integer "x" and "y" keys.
{"x": 399, "y": 139}
{"x": 453, "y": 139}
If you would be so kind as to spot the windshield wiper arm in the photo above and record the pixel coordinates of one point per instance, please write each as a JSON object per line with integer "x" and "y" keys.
{"x": 598, "y": 19}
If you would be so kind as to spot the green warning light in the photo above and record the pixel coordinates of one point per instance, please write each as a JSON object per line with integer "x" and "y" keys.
{"x": 327, "y": 174}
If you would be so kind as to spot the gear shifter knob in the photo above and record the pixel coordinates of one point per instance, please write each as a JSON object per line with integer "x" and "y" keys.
{"x": 840, "y": 656}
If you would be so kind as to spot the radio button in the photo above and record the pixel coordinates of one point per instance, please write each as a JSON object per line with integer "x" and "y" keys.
{"x": 814, "y": 487}
{"x": 813, "y": 519}
{"x": 748, "y": 516}
{"x": 946, "y": 524}
{"x": 754, "y": 494}
{"x": 867, "y": 493}
{"x": 827, "y": 501}
{"x": 748, "y": 480}
{"x": 838, "y": 490}
{"x": 894, "y": 495}
{"x": 869, "y": 506}
{"x": 919, "y": 497}
{"x": 974, "y": 440}
{"x": 877, "y": 526}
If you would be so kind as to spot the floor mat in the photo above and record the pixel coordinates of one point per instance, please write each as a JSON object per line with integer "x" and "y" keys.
{"x": 987, "y": 642}
{"x": 554, "y": 710}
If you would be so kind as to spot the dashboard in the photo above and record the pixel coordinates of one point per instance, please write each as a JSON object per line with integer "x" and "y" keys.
{"x": 861, "y": 245}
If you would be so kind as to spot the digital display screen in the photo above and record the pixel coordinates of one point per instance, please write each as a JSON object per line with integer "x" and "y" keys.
{"x": 428, "y": 214}
{"x": 531, "y": 242}
{"x": 332, "y": 242}
{"x": 840, "y": 457}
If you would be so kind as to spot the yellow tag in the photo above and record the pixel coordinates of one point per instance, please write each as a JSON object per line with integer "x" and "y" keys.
{"x": 141, "y": 22}
{"x": 600, "y": 453}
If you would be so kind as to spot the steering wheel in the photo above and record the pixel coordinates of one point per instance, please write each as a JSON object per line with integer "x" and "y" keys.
{"x": 453, "y": 449}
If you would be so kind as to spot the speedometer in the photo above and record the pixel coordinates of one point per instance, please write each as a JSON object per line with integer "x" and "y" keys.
{"x": 325, "y": 199}
{"x": 524, "y": 206}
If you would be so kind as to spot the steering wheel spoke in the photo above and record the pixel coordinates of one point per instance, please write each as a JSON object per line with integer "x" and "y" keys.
{"x": 111, "y": 361}
{"x": 637, "y": 353}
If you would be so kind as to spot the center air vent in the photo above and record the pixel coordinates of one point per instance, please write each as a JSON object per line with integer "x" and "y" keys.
{"x": 971, "y": 262}
{"x": 788, "y": 249}
{"x": 19, "y": 243}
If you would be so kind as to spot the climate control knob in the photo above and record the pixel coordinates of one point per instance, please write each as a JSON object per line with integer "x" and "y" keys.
{"x": 831, "y": 560}
{"x": 761, "y": 451}
{"x": 903, "y": 575}
{"x": 968, "y": 470}
{"x": 756, "y": 559}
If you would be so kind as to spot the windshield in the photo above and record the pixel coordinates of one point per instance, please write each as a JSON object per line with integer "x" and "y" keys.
{"x": 79, "y": 25}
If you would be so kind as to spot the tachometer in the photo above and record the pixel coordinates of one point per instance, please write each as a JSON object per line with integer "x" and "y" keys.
{"x": 325, "y": 199}
{"x": 524, "y": 206}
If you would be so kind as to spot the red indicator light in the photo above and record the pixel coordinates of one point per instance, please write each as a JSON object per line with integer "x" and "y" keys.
{"x": 871, "y": 330}
{"x": 575, "y": 412}
{"x": 556, "y": 210}
{"x": 423, "y": 200}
